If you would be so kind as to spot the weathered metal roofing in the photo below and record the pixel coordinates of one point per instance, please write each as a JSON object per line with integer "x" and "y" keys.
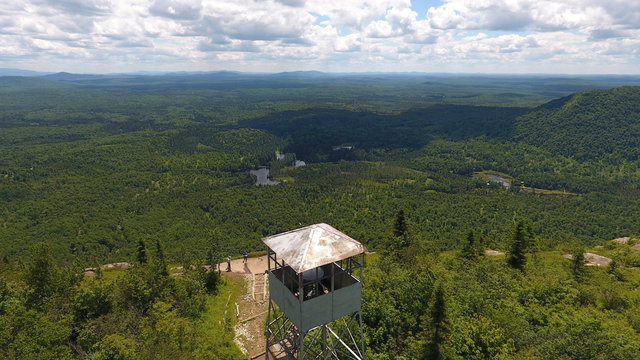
{"x": 312, "y": 246}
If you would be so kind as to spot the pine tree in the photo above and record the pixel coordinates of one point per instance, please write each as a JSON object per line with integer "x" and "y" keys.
{"x": 159, "y": 251}
{"x": 400, "y": 225}
{"x": 578, "y": 268}
{"x": 439, "y": 326}
{"x": 213, "y": 254}
{"x": 45, "y": 278}
{"x": 211, "y": 259}
{"x": 472, "y": 247}
{"x": 399, "y": 239}
{"x": 142, "y": 252}
{"x": 40, "y": 275}
{"x": 614, "y": 270}
{"x": 160, "y": 262}
{"x": 5, "y": 293}
{"x": 98, "y": 268}
{"x": 212, "y": 277}
{"x": 517, "y": 256}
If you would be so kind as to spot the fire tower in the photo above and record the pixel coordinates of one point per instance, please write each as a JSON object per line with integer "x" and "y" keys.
{"x": 314, "y": 296}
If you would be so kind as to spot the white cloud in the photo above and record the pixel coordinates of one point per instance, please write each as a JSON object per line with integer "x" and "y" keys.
{"x": 539, "y": 15}
{"x": 340, "y": 35}
{"x": 294, "y": 3}
{"x": 177, "y": 9}
{"x": 397, "y": 21}
{"x": 80, "y": 7}
{"x": 348, "y": 43}
{"x": 354, "y": 13}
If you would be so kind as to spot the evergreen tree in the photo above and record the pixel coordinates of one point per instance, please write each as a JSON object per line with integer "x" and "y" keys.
{"x": 517, "y": 256}
{"x": 399, "y": 239}
{"x": 159, "y": 251}
{"x": 99, "y": 273}
{"x": 5, "y": 293}
{"x": 160, "y": 261}
{"x": 212, "y": 277}
{"x": 614, "y": 270}
{"x": 142, "y": 252}
{"x": 400, "y": 225}
{"x": 40, "y": 275}
{"x": 45, "y": 278}
{"x": 73, "y": 248}
{"x": 578, "y": 269}
{"x": 438, "y": 327}
{"x": 212, "y": 259}
{"x": 472, "y": 247}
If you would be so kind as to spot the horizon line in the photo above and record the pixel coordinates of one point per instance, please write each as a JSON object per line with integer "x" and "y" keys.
{"x": 36, "y": 73}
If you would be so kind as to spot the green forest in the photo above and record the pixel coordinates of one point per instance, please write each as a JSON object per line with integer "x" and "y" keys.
{"x": 154, "y": 171}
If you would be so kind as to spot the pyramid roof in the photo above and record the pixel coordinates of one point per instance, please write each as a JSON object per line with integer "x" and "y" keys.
{"x": 313, "y": 246}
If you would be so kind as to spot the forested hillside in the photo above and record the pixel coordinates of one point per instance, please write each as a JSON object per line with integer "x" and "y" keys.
{"x": 527, "y": 304}
{"x": 97, "y": 169}
{"x": 99, "y": 163}
{"x": 587, "y": 125}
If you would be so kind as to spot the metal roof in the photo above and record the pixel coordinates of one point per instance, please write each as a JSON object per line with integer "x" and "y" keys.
{"x": 312, "y": 246}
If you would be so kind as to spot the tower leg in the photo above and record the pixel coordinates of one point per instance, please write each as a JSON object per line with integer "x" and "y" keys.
{"x": 301, "y": 346}
{"x": 267, "y": 331}
{"x": 361, "y": 335}
{"x": 324, "y": 340}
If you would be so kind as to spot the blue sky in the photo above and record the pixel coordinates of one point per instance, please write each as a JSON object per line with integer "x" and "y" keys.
{"x": 421, "y": 7}
{"x": 470, "y": 36}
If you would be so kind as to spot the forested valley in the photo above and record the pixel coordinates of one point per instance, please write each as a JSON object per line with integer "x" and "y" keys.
{"x": 154, "y": 171}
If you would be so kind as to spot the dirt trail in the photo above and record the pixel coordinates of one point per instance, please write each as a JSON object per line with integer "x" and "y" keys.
{"x": 251, "y": 308}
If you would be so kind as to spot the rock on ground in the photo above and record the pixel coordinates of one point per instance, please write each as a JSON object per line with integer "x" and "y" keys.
{"x": 592, "y": 259}
{"x": 621, "y": 240}
{"x": 493, "y": 252}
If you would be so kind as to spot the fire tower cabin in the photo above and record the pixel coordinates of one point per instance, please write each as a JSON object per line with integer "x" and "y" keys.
{"x": 315, "y": 298}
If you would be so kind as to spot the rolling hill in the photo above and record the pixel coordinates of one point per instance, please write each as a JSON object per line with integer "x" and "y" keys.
{"x": 586, "y": 125}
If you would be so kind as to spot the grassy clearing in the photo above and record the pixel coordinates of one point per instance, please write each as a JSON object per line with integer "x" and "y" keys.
{"x": 489, "y": 174}
{"x": 215, "y": 326}
{"x": 112, "y": 275}
{"x": 532, "y": 190}
{"x": 288, "y": 179}
{"x": 503, "y": 178}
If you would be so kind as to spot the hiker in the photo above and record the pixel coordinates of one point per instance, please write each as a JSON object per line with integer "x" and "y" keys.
{"x": 245, "y": 256}
{"x": 228, "y": 263}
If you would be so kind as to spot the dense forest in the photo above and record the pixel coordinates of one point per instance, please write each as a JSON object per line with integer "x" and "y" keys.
{"x": 154, "y": 170}
{"x": 605, "y": 121}
{"x": 529, "y": 304}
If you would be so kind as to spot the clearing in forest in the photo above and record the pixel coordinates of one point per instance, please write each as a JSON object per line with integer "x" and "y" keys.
{"x": 251, "y": 305}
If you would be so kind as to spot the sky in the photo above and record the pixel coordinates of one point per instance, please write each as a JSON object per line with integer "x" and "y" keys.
{"x": 442, "y": 36}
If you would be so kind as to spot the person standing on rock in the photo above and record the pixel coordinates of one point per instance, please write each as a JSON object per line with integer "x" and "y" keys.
{"x": 228, "y": 263}
{"x": 245, "y": 256}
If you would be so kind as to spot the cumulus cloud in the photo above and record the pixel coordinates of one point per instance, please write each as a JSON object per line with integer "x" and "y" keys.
{"x": 340, "y": 35}
{"x": 80, "y": 7}
{"x": 177, "y": 9}
{"x": 354, "y": 13}
{"x": 622, "y": 13}
{"x": 539, "y": 15}
{"x": 348, "y": 43}
{"x": 294, "y": 3}
{"x": 228, "y": 46}
{"x": 396, "y": 22}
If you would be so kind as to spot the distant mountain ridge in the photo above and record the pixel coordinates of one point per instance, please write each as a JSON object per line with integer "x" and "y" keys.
{"x": 20, "y": 72}
{"x": 12, "y": 83}
{"x": 65, "y": 76}
{"x": 586, "y": 125}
